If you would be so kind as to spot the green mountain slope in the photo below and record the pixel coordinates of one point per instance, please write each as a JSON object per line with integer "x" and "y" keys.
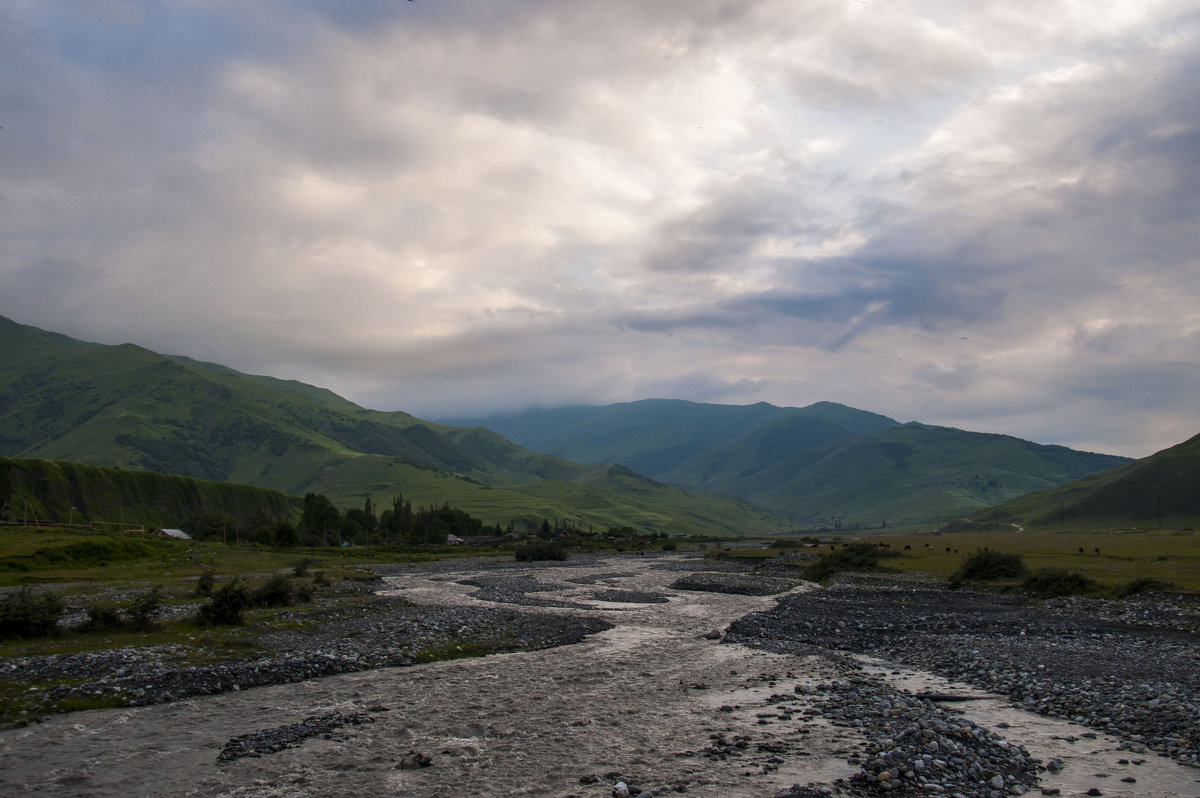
{"x": 814, "y": 464}
{"x": 125, "y": 406}
{"x": 909, "y": 474}
{"x": 1160, "y": 490}
{"x": 653, "y": 436}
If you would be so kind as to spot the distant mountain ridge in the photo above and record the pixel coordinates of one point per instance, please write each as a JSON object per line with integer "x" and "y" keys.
{"x": 821, "y": 464}
{"x": 126, "y": 406}
{"x": 653, "y": 436}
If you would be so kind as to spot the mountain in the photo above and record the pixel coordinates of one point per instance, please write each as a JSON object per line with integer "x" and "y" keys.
{"x": 821, "y": 464}
{"x": 654, "y": 436}
{"x": 125, "y": 406}
{"x": 1163, "y": 488}
{"x": 909, "y": 474}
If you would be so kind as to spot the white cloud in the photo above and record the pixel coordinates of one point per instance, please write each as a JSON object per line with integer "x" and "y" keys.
{"x": 973, "y": 215}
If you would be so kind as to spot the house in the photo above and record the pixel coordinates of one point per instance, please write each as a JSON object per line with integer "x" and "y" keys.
{"x": 178, "y": 534}
{"x": 453, "y": 540}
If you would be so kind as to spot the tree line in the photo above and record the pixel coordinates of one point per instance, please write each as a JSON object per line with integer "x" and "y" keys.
{"x": 322, "y": 523}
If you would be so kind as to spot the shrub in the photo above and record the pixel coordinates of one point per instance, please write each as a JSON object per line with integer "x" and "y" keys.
{"x": 205, "y": 583}
{"x": 301, "y": 567}
{"x": 319, "y": 579}
{"x": 141, "y": 612}
{"x": 101, "y": 618}
{"x": 275, "y": 592}
{"x": 984, "y": 565}
{"x": 303, "y": 593}
{"x": 670, "y": 545}
{"x": 28, "y": 614}
{"x": 1051, "y": 582}
{"x": 226, "y": 607}
{"x": 263, "y": 536}
{"x": 852, "y": 557}
{"x": 1143, "y": 584}
{"x": 540, "y": 551}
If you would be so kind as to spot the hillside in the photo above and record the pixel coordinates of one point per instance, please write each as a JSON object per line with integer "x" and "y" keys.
{"x": 1160, "y": 490}
{"x": 821, "y": 464}
{"x": 125, "y": 406}
{"x": 909, "y": 474}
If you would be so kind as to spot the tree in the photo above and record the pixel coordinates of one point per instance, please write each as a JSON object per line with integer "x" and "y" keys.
{"x": 286, "y": 534}
{"x": 320, "y": 517}
{"x": 400, "y": 522}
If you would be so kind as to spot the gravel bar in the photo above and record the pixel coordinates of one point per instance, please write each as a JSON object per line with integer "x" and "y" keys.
{"x": 1071, "y": 660}
{"x": 374, "y": 635}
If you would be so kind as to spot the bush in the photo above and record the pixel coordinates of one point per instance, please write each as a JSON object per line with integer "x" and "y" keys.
{"x": 275, "y": 592}
{"x": 852, "y": 557}
{"x": 226, "y": 607}
{"x": 670, "y": 545}
{"x": 319, "y": 579}
{"x": 205, "y": 583}
{"x": 301, "y": 567}
{"x": 984, "y": 565}
{"x": 28, "y": 614}
{"x": 1051, "y": 582}
{"x": 540, "y": 551}
{"x": 141, "y": 612}
{"x": 1143, "y": 584}
{"x": 102, "y": 618}
{"x": 263, "y": 536}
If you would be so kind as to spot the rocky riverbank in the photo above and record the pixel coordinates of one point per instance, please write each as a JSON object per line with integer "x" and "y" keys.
{"x": 346, "y": 638}
{"x": 1121, "y": 671}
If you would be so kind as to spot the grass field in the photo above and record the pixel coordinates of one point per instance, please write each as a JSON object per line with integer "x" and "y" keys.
{"x": 77, "y": 558}
{"x": 1109, "y": 558}
{"x": 92, "y": 568}
{"x": 1170, "y": 556}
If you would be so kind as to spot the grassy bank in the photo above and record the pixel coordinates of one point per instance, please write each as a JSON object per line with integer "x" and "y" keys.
{"x": 1108, "y": 558}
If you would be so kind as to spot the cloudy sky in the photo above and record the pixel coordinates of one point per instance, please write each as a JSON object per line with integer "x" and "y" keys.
{"x": 985, "y": 215}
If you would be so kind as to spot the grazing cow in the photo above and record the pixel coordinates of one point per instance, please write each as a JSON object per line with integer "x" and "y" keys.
{"x": 906, "y": 548}
{"x": 1097, "y": 550}
{"x": 1081, "y": 549}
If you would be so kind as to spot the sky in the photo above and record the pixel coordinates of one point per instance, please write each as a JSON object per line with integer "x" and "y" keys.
{"x": 982, "y": 215}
